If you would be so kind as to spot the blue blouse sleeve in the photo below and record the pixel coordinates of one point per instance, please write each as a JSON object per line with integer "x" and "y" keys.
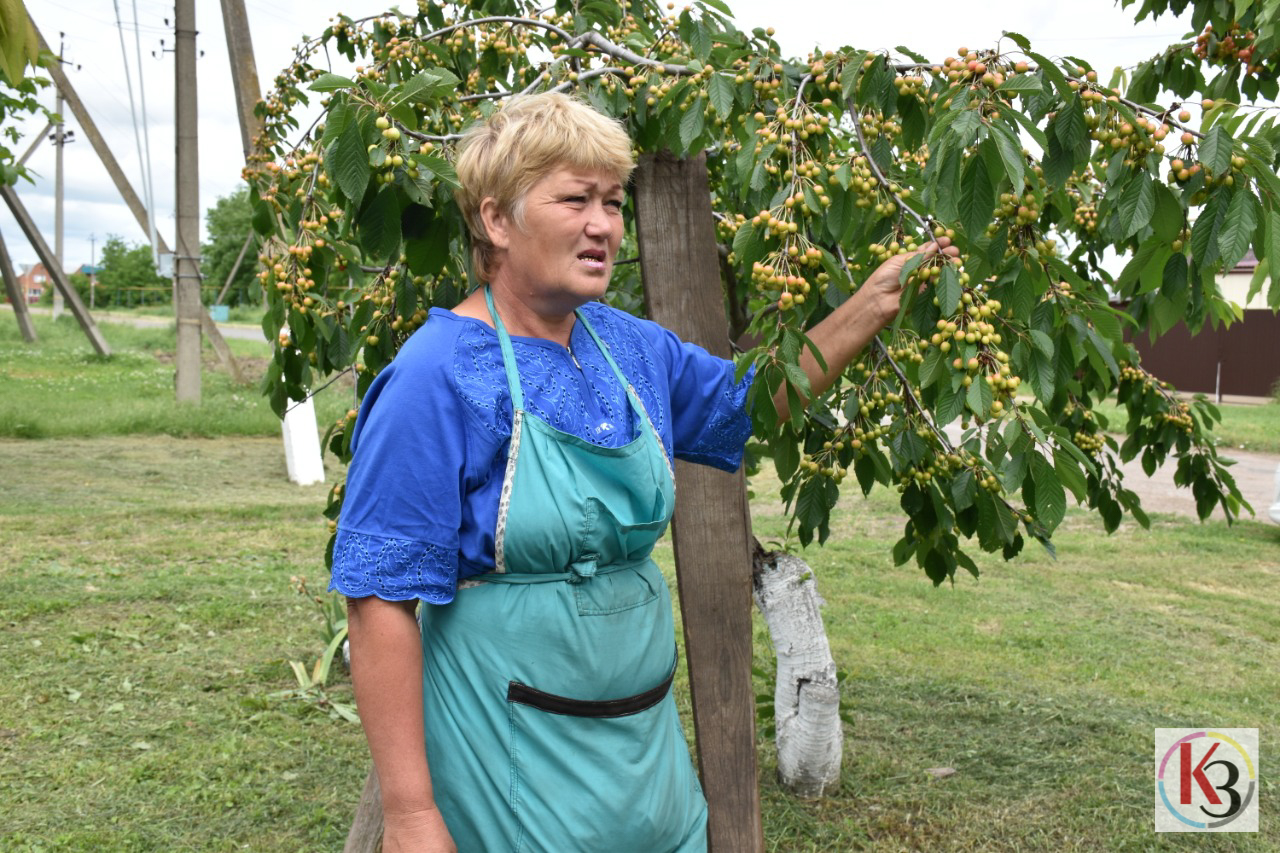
{"x": 409, "y": 445}
{"x": 710, "y": 424}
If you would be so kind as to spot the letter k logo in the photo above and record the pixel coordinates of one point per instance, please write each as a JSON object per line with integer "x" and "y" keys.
{"x": 1198, "y": 774}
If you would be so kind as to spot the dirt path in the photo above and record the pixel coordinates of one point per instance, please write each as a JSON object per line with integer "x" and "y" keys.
{"x": 1255, "y": 475}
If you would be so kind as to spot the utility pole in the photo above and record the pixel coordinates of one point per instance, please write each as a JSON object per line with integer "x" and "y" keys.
{"x": 60, "y": 139}
{"x": 244, "y": 72}
{"x": 93, "y": 269}
{"x": 186, "y": 262}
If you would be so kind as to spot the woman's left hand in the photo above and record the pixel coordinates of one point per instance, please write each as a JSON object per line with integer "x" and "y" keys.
{"x": 884, "y": 291}
{"x": 849, "y": 328}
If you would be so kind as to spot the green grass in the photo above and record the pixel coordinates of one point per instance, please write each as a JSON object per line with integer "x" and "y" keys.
{"x": 148, "y": 615}
{"x": 61, "y": 387}
{"x": 148, "y": 624}
{"x": 1040, "y": 683}
{"x": 1244, "y": 426}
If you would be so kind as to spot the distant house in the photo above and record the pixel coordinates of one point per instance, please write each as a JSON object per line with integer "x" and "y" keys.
{"x": 34, "y": 280}
{"x": 1243, "y": 358}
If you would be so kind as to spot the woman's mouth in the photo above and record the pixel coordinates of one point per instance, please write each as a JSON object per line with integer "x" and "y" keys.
{"x": 593, "y": 258}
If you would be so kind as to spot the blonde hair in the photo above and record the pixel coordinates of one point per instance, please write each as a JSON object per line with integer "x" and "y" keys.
{"x": 529, "y": 137}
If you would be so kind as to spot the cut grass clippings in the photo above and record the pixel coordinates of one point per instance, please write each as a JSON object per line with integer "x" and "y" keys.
{"x": 148, "y": 626}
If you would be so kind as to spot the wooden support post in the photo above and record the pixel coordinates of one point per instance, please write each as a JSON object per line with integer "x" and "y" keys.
{"x": 17, "y": 298}
{"x": 680, "y": 266}
{"x": 365, "y": 835}
{"x": 28, "y": 226}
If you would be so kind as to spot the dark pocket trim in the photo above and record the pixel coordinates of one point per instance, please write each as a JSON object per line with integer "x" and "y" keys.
{"x": 534, "y": 698}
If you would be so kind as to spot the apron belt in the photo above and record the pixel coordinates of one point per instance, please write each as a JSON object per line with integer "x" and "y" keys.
{"x": 579, "y": 570}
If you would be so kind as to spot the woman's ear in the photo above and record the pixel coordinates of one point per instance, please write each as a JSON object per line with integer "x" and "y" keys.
{"x": 497, "y": 224}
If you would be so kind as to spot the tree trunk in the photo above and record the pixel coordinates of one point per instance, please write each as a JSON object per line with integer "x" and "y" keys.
{"x": 806, "y": 695}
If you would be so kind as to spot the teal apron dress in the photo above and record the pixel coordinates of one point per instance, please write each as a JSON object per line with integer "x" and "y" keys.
{"x": 550, "y": 723}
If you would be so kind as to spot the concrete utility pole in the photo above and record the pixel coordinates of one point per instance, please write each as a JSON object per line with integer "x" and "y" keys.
{"x": 244, "y": 71}
{"x": 186, "y": 262}
{"x": 59, "y": 141}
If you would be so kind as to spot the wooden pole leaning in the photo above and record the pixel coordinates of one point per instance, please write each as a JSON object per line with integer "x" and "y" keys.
{"x": 679, "y": 262}
{"x": 17, "y": 298}
{"x": 125, "y": 188}
{"x": 28, "y": 226}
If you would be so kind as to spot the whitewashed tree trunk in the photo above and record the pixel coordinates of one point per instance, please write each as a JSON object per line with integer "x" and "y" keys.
{"x": 806, "y": 696}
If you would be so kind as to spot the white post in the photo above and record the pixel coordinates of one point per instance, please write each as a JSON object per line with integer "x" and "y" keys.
{"x": 1274, "y": 512}
{"x": 302, "y": 444}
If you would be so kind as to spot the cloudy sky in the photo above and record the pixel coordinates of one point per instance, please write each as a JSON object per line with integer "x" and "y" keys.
{"x": 1094, "y": 29}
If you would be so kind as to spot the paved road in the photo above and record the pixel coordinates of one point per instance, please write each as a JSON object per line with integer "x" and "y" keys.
{"x": 1255, "y": 475}
{"x": 239, "y": 331}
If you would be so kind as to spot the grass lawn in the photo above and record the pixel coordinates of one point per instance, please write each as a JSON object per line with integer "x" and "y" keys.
{"x": 148, "y": 615}
{"x": 1253, "y": 427}
{"x": 61, "y": 387}
{"x": 148, "y": 627}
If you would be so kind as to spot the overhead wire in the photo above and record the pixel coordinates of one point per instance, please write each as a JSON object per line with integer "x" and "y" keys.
{"x": 146, "y": 141}
{"x": 137, "y": 136}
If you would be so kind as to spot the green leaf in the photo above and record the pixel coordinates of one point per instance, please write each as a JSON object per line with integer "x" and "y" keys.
{"x": 980, "y": 396}
{"x": 748, "y": 245}
{"x": 1042, "y": 375}
{"x": 1273, "y": 258}
{"x": 950, "y": 289}
{"x": 330, "y": 83}
{"x": 963, "y": 487}
{"x": 692, "y": 124}
{"x": 347, "y": 162}
{"x": 1204, "y": 233}
{"x": 1018, "y": 39}
{"x": 1042, "y": 342}
{"x": 427, "y": 85}
{"x": 977, "y": 198}
{"x": 1168, "y": 218}
{"x": 1055, "y": 75}
{"x": 1136, "y": 206}
{"x": 1010, "y": 149}
{"x": 1215, "y": 150}
{"x": 1051, "y": 498}
{"x": 1069, "y": 474}
{"x": 720, "y": 91}
{"x": 933, "y": 368}
{"x": 1069, "y": 126}
{"x": 1237, "y": 230}
{"x": 379, "y": 225}
{"x": 1021, "y": 83}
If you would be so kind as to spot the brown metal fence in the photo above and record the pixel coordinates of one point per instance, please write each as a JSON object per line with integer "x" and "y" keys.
{"x": 1244, "y": 358}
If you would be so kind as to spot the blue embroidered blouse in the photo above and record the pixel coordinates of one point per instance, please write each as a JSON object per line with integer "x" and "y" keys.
{"x": 430, "y": 445}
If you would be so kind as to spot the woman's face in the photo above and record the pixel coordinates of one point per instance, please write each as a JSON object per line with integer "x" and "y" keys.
{"x": 563, "y": 257}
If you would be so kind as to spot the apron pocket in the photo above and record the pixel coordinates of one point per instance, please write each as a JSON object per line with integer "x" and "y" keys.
{"x": 549, "y": 702}
{"x": 614, "y": 592}
{"x": 601, "y": 774}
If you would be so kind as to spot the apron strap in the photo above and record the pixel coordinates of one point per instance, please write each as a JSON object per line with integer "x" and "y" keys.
{"x": 508, "y": 354}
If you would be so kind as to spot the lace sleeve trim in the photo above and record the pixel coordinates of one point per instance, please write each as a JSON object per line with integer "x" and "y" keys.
{"x": 392, "y": 569}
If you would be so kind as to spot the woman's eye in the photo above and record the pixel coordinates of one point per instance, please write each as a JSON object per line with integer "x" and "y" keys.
{"x": 615, "y": 203}
{"x": 575, "y": 199}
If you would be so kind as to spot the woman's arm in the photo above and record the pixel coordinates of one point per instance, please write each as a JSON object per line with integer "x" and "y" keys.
{"x": 386, "y": 668}
{"x": 849, "y": 328}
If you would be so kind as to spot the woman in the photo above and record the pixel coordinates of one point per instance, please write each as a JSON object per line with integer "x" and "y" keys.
{"x": 512, "y": 470}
